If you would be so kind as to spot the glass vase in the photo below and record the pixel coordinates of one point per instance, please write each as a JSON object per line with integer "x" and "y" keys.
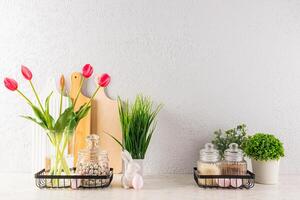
{"x": 58, "y": 158}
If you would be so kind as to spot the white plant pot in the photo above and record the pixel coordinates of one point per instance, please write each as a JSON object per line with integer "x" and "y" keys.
{"x": 141, "y": 163}
{"x": 266, "y": 172}
{"x": 249, "y": 163}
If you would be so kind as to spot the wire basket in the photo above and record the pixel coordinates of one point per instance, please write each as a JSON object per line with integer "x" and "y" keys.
{"x": 246, "y": 181}
{"x": 44, "y": 180}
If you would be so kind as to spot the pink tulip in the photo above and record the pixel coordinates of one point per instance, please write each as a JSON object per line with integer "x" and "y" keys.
{"x": 10, "y": 84}
{"x": 26, "y": 72}
{"x": 87, "y": 70}
{"x": 103, "y": 80}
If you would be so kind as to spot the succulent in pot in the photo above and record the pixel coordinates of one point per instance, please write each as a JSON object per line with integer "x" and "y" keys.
{"x": 265, "y": 151}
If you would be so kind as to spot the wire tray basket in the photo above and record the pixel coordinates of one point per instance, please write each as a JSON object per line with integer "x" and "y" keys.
{"x": 44, "y": 180}
{"x": 246, "y": 181}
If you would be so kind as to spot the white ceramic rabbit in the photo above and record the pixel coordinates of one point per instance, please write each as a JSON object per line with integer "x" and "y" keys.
{"x": 131, "y": 178}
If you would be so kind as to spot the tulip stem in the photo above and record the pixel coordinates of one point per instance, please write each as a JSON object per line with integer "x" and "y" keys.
{"x": 60, "y": 103}
{"x": 93, "y": 96}
{"x": 37, "y": 97}
{"x": 81, "y": 84}
{"x": 24, "y": 97}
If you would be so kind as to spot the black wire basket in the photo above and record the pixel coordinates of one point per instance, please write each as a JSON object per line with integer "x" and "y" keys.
{"x": 246, "y": 181}
{"x": 44, "y": 180}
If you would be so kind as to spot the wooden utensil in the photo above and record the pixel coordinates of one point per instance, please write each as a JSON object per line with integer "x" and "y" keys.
{"x": 105, "y": 119}
{"x": 84, "y": 127}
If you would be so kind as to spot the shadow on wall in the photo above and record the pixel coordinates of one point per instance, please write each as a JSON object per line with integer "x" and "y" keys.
{"x": 174, "y": 147}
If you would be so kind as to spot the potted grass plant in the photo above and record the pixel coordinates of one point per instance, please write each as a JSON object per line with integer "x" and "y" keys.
{"x": 265, "y": 151}
{"x": 138, "y": 124}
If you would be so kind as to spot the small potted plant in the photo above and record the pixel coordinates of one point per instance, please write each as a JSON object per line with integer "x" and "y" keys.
{"x": 138, "y": 124}
{"x": 265, "y": 151}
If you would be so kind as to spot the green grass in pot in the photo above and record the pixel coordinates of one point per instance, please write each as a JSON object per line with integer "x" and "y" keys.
{"x": 264, "y": 147}
{"x": 138, "y": 124}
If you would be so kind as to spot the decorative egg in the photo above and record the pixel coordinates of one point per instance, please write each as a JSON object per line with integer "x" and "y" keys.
{"x": 236, "y": 182}
{"x": 137, "y": 182}
{"x": 223, "y": 182}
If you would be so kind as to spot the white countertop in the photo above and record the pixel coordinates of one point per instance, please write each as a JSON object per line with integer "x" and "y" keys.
{"x": 21, "y": 187}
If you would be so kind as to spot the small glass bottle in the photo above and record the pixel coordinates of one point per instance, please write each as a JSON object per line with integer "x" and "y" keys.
{"x": 92, "y": 161}
{"x": 209, "y": 164}
{"x": 234, "y": 163}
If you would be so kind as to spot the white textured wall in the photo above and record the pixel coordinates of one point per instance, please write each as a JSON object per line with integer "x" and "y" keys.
{"x": 213, "y": 64}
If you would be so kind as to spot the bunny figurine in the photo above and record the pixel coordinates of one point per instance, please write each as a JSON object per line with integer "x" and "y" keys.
{"x": 131, "y": 178}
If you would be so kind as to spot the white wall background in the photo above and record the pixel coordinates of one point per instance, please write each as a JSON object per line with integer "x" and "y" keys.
{"x": 213, "y": 63}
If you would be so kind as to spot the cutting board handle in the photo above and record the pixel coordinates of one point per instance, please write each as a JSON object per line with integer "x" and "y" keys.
{"x": 76, "y": 79}
{"x": 103, "y": 94}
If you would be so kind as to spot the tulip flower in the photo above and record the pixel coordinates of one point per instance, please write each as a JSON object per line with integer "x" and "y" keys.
{"x": 62, "y": 86}
{"x": 87, "y": 71}
{"x": 62, "y": 82}
{"x": 10, "y": 84}
{"x": 26, "y": 72}
{"x": 28, "y": 75}
{"x": 103, "y": 80}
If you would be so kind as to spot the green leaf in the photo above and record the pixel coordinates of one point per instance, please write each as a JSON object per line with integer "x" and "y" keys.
{"x": 115, "y": 140}
{"x": 64, "y": 120}
{"x": 263, "y": 146}
{"x": 82, "y": 112}
{"x": 48, "y": 117}
{"x": 234, "y": 135}
{"x": 39, "y": 114}
{"x": 72, "y": 125}
{"x": 47, "y": 102}
{"x": 34, "y": 120}
{"x": 137, "y": 123}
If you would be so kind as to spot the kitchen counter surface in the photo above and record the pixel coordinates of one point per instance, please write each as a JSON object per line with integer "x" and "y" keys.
{"x": 21, "y": 187}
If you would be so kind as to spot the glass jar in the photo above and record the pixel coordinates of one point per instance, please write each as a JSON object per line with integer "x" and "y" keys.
{"x": 92, "y": 161}
{"x": 209, "y": 164}
{"x": 234, "y": 163}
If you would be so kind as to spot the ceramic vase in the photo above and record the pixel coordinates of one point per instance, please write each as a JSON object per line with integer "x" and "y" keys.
{"x": 266, "y": 172}
{"x": 141, "y": 164}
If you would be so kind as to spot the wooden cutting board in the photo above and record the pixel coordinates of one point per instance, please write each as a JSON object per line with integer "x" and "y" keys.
{"x": 105, "y": 118}
{"x": 84, "y": 127}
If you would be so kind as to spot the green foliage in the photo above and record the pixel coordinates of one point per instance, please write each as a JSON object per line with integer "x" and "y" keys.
{"x": 138, "y": 125}
{"x": 34, "y": 120}
{"x": 59, "y": 131}
{"x": 263, "y": 147}
{"x": 236, "y": 135}
{"x": 66, "y": 122}
{"x": 48, "y": 117}
{"x": 63, "y": 120}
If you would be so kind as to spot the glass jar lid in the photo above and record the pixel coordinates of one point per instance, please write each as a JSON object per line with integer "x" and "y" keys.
{"x": 92, "y": 150}
{"x": 209, "y": 153}
{"x": 233, "y": 153}
{"x": 93, "y": 141}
